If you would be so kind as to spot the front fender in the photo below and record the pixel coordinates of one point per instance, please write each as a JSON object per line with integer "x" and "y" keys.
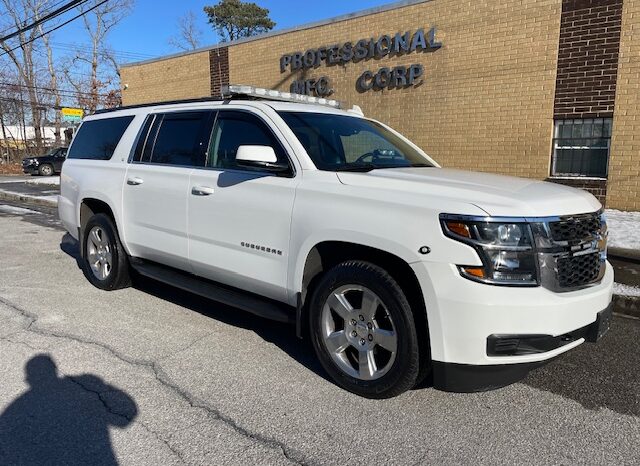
{"x": 297, "y": 262}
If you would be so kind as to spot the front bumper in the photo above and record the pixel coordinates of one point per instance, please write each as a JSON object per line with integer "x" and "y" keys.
{"x": 30, "y": 169}
{"x": 462, "y": 315}
{"x": 466, "y": 378}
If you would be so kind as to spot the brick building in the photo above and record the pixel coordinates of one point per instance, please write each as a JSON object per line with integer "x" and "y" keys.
{"x": 546, "y": 89}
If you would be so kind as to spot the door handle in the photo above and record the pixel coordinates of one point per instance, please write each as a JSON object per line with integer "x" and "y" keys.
{"x": 134, "y": 181}
{"x": 202, "y": 191}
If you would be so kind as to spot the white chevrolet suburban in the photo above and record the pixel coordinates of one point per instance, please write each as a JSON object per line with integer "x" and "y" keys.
{"x": 399, "y": 271}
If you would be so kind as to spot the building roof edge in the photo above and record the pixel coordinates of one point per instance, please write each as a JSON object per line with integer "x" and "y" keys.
{"x": 315, "y": 24}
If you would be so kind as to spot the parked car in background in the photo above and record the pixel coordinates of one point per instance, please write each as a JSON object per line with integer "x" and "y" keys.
{"x": 45, "y": 165}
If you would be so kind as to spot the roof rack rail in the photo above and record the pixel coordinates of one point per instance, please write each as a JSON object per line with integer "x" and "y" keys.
{"x": 237, "y": 91}
{"x": 154, "y": 104}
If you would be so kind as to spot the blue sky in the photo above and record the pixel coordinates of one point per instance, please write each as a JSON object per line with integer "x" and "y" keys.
{"x": 147, "y": 29}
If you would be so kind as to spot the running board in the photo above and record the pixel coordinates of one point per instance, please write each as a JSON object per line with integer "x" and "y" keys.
{"x": 250, "y": 302}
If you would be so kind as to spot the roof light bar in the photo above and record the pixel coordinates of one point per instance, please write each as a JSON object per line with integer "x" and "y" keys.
{"x": 271, "y": 94}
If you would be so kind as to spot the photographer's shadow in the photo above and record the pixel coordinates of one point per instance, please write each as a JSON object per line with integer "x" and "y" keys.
{"x": 62, "y": 420}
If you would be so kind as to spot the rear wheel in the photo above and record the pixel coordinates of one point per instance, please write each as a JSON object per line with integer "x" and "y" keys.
{"x": 363, "y": 331}
{"x": 105, "y": 262}
{"x": 45, "y": 170}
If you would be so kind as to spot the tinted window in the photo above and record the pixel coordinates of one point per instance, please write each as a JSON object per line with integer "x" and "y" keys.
{"x": 235, "y": 129}
{"x": 97, "y": 139}
{"x": 180, "y": 139}
{"x": 340, "y": 142}
{"x": 143, "y": 138}
{"x": 151, "y": 138}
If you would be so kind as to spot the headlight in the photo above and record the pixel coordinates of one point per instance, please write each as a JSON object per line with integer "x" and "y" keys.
{"x": 506, "y": 250}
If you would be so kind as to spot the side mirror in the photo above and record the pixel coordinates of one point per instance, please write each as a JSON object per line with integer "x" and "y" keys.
{"x": 260, "y": 157}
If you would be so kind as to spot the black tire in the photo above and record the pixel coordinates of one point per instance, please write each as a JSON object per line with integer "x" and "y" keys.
{"x": 45, "y": 169}
{"x": 403, "y": 371}
{"x": 118, "y": 276}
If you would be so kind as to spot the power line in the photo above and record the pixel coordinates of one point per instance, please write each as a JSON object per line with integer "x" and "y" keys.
{"x": 25, "y": 103}
{"x": 29, "y": 18}
{"x": 52, "y": 90}
{"x": 63, "y": 9}
{"x": 22, "y": 44}
{"x": 62, "y": 45}
{"x": 41, "y": 106}
{"x": 122, "y": 53}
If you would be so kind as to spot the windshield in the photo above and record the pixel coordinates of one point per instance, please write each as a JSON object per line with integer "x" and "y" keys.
{"x": 343, "y": 143}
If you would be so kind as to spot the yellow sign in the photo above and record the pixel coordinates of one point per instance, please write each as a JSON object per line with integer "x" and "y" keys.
{"x": 72, "y": 112}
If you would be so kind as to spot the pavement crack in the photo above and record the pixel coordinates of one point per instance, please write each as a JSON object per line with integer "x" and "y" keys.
{"x": 27, "y": 345}
{"x": 128, "y": 418}
{"x": 100, "y": 398}
{"x": 23, "y": 312}
{"x": 290, "y": 454}
{"x": 186, "y": 347}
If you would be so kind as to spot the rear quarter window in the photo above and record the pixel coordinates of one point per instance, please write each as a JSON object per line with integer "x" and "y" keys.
{"x": 97, "y": 139}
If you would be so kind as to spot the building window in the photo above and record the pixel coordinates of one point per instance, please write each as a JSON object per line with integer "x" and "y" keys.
{"x": 581, "y": 148}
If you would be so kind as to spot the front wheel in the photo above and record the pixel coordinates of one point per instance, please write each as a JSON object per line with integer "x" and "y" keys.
{"x": 363, "y": 331}
{"x": 45, "y": 170}
{"x": 105, "y": 261}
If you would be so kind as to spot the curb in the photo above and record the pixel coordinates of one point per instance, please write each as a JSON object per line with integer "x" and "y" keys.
{"x": 10, "y": 196}
{"x": 627, "y": 305}
{"x": 631, "y": 255}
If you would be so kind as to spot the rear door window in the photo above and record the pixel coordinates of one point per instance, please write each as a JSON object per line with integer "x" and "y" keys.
{"x": 180, "y": 139}
{"x": 144, "y": 139}
{"x": 97, "y": 139}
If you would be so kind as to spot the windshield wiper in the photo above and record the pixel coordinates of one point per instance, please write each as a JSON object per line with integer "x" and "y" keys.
{"x": 356, "y": 167}
{"x": 367, "y": 167}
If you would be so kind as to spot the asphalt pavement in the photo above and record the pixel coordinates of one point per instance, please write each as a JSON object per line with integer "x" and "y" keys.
{"x": 152, "y": 375}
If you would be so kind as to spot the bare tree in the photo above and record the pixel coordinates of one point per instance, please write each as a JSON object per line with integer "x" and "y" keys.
{"x": 55, "y": 91}
{"x": 12, "y": 115}
{"x": 21, "y": 54}
{"x": 98, "y": 23}
{"x": 189, "y": 36}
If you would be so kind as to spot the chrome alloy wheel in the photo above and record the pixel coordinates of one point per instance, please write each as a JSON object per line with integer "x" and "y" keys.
{"x": 358, "y": 332}
{"x": 99, "y": 253}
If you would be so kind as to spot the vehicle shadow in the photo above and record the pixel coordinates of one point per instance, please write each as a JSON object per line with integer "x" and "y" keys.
{"x": 63, "y": 420}
{"x": 604, "y": 375}
{"x": 280, "y": 334}
{"x": 70, "y": 246}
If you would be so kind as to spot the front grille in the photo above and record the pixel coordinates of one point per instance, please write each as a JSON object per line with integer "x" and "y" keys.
{"x": 575, "y": 229}
{"x": 578, "y": 270}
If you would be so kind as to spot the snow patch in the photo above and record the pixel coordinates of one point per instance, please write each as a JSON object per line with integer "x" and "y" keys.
{"x": 624, "y": 229}
{"x": 9, "y": 209}
{"x": 48, "y": 180}
{"x": 626, "y": 290}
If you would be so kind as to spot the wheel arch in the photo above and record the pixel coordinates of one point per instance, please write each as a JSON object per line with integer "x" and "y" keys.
{"x": 326, "y": 254}
{"x": 90, "y": 206}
